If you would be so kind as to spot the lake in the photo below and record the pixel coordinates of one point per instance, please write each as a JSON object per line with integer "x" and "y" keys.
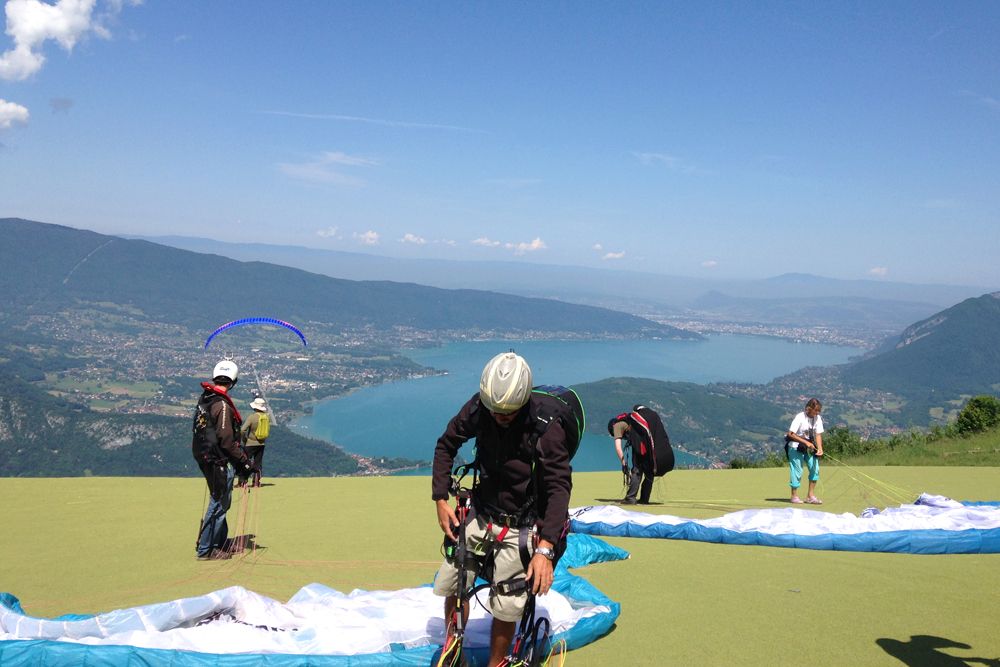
{"x": 405, "y": 419}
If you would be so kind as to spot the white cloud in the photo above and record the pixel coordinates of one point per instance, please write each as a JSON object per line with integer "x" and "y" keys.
{"x": 326, "y": 169}
{"x": 879, "y": 271}
{"x": 986, "y": 100}
{"x": 368, "y": 238}
{"x": 518, "y": 248}
{"x": 448, "y": 242}
{"x": 671, "y": 162}
{"x": 657, "y": 158}
{"x": 613, "y": 255}
{"x": 31, "y": 23}
{"x": 413, "y": 238}
{"x": 336, "y": 157}
{"x": 328, "y": 233}
{"x": 709, "y": 264}
{"x": 598, "y": 247}
{"x": 11, "y": 113}
{"x": 521, "y": 248}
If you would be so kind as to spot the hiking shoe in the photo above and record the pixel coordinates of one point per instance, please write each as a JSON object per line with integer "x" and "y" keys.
{"x": 796, "y": 500}
{"x": 216, "y": 554}
{"x": 813, "y": 500}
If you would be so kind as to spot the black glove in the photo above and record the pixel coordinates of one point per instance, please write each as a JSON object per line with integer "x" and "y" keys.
{"x": 625, "y": 470}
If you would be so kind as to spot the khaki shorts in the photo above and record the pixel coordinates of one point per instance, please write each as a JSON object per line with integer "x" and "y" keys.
{"x": 507, "y": 565}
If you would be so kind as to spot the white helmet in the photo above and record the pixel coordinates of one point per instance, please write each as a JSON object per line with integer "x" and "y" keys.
{"x": 505, "y": 385}
{"x": 226, "y": 369}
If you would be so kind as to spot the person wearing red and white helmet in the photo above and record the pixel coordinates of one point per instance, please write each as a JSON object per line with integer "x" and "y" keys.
{"x": 519, "y": 506}
{"x": 215, "y": 444}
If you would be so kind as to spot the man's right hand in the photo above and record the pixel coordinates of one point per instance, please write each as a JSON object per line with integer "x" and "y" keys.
{"x": 446, "y": 518}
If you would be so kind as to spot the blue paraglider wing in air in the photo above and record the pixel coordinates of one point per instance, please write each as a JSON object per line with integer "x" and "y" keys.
{"x": 255, "y": 320}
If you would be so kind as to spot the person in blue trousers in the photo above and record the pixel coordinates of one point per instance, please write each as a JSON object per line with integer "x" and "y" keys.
{"x": 215, "y": 444}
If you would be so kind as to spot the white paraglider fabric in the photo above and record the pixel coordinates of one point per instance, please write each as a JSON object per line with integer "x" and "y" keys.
{"x": 933, "y": 524}
{"x": 317, "y": 620}
{"x": 225, "y": 627}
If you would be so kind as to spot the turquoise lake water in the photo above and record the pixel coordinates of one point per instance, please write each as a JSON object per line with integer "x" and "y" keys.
{"x": 406, "y": 418}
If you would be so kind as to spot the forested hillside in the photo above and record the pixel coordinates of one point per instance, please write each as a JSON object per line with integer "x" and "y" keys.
{"x": 942, "y": 358}
{"x": 43, "y": 436}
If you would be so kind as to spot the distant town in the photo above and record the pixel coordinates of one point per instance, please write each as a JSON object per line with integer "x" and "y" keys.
{"x": 865, "y": 339}
{"x": 115, "y": 363}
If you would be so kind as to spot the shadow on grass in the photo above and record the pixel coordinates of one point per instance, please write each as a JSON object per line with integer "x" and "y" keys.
{"x": 923, "y": 651}
{"x": 241, "y": 543}
{"x": 619, "y": 501}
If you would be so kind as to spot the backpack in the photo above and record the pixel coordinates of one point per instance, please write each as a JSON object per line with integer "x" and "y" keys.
{"x": 649, "y": 438}
{"x": 204, "y": 440}
{"x": 562, "y": 403}
{"x": 263, "y": 428}
{"x": 653, "y": 431}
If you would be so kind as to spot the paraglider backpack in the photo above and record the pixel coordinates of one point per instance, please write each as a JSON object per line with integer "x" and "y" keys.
{"x": 563, "y": 404}
{"x": 653, "y": 441}
{"x": 204, "y": 439}
{"x": 263, "y": 428}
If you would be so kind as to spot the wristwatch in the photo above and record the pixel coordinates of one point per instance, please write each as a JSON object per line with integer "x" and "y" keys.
{"x": 545, "y": 551}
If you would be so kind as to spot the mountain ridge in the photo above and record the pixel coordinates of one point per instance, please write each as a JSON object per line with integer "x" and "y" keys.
{"x": 71, "y": 265}
{"x": 945, "y": 353}
{"x": 675, "y": 291}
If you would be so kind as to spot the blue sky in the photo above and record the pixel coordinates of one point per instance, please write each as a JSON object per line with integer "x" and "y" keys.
{"x": 851, "y": 140}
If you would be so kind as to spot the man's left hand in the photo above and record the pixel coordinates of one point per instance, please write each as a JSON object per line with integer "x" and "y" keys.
{"x": 539, "y": 574}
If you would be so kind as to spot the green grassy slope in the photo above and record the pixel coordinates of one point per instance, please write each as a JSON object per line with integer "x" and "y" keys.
{"x": 95, "y": 544}
{"x": 914, "y": 449}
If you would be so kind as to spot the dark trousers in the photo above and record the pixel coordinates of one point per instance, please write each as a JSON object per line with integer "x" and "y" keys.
{"x": 640, "y": 482}
{"x": 256, "y": 454}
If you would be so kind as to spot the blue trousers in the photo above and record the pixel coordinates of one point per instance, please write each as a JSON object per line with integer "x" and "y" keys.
{"x": 795, "y": 461}
{"x": 214, "y": 529}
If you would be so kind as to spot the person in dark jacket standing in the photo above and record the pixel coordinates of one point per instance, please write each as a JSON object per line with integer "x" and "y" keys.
{"x": 215, "y": 444}
{"x": 520, "y": 504}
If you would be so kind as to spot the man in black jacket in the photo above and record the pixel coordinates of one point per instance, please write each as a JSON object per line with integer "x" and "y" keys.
{"x": 214, "y": 445}
{"x": 520, "y": 505}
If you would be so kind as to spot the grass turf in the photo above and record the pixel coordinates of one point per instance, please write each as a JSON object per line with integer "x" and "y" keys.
{"x": 87, "y": 545}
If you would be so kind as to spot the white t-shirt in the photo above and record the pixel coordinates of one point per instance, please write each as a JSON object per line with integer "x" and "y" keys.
{"x": 804, "y": 427}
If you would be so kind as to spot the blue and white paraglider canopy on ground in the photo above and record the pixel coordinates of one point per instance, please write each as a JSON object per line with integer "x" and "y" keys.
{"x": 931, "y": 525}
{"x": 317, "y": 626}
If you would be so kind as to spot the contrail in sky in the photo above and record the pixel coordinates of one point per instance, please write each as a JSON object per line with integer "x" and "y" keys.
{"x": 372, "y": 121}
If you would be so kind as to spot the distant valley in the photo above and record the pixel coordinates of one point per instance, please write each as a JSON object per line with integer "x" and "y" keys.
{"x": 101, "y": 347}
